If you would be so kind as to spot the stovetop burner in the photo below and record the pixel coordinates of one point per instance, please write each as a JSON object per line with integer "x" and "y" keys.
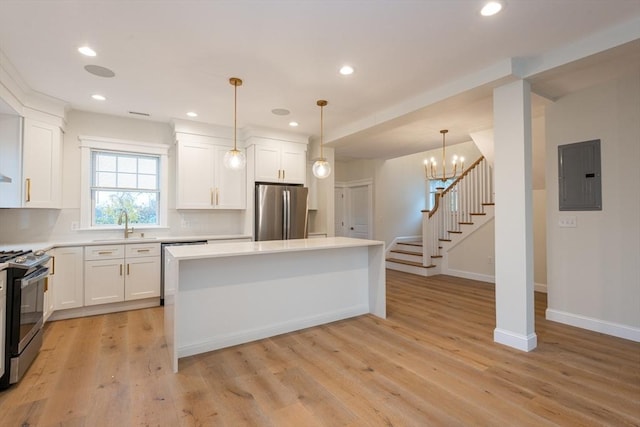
{"x": 24, "y": 259}
{"x": 9, "y": 255}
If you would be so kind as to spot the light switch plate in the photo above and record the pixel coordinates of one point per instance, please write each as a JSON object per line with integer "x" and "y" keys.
{"x": 567, "y": 222}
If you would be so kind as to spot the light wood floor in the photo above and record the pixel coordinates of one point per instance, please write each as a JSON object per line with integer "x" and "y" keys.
{"x": 431, "y": 363}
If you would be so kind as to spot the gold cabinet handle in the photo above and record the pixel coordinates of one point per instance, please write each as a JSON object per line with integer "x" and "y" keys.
{"x": 28, "y": 185}
{"x": 104, "y": 252}
{"x": 128, "y": 269}
{"x": 53, "y": 265}
{"x": 279, "y": 173}
{"x": 211, "y": 196}
{"x": 142, "y": 250}
{"x": 121, "y": 269}
{"x": 282, "y": 173}
{"x": 217, "y": 196}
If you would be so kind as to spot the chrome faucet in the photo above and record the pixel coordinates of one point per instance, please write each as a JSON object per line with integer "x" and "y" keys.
{"x": 127, "y": 230}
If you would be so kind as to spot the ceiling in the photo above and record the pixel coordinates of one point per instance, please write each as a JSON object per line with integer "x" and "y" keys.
{"x": 171, "y": 57}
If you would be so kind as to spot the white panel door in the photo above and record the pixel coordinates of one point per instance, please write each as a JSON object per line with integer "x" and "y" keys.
{"x": 340, "y": 217}
{"x": 41, "y": 165}
{"x": 104, "y": 281}
{"x": 359, "y": 212}
{"x": 194, "y": 173}
{"x": 142, "y": 278}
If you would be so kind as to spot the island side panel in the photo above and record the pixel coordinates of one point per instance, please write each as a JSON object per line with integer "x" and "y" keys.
{"x": 377, "y": 281}
{"x": 232, "y": 300}
{"x": 171, "y": 267}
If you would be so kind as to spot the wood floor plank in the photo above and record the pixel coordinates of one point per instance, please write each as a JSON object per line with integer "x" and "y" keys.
{"x": 432, "y": 362}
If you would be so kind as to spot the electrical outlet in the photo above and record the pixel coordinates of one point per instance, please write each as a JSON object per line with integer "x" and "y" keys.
{"x": 185, "y": 224}
{"x": 567, "y": 222}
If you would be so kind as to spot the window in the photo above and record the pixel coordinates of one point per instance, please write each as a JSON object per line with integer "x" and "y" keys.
{"x": 121, "y": 176}
{"x": 433, "y": 186}
{"x": 124, "y": 182}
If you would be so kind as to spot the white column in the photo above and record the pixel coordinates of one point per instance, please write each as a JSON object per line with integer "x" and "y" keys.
{"x": 513, "y": 216}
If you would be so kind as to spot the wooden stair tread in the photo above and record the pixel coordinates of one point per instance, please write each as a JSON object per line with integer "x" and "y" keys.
{"x": 454, "y": 232}
{"x": 418, "y": 244}
{"x": 436, "y": 256}
{"x": 479, "y": 213}
{"x": 465, "y": 223}
{"x": 412, "y": 263}
{"x": 444, "y": 240}
{"x": 488, "y": 204}
{"x": 400, "y": 251}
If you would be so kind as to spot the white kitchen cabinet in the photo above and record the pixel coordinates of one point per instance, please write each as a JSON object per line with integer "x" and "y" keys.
{"x": 116, "y": 273}
{"x": 48, "y": 300}
{"x": 202, "y": 180}
{"x": 280, "y": 161}
{"x": 142, "y": 265}
{"x": 66, "y": 283}
{"x": 41, "y": 164}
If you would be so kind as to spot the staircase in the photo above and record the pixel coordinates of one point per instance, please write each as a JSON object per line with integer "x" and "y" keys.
{"x": 460, "y": 209}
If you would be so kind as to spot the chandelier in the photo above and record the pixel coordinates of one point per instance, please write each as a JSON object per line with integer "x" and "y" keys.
{"x": 430, "y": 165}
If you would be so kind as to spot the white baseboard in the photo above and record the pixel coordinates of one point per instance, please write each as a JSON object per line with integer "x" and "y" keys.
{"x": 245, "y": 336}
{"x": 596, "y": 325}
{"x": 517, "y": 341}
{"x": 470, "y": 275}
{"x": 540, "y": 287}
{"x": 92, "y": 310}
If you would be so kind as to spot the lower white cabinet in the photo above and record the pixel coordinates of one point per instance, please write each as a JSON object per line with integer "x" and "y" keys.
{"x": 66, "y": 285}
{"x": 116, "y": 273}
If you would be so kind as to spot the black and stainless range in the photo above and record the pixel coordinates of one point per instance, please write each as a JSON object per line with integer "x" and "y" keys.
{"x": 26, "y": 280}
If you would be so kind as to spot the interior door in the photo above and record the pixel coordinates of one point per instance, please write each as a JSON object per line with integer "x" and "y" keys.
{"x": 359, "y": 212}
{"x": 339, "y": 212}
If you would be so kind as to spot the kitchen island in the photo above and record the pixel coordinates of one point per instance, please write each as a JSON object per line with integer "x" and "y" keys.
{"x": 222, "y": 295}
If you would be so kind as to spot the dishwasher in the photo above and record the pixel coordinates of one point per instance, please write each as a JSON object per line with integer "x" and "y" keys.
{"x": 164, "y": 245}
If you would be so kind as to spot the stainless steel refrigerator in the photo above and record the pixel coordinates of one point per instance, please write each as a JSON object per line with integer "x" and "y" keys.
{"x": 281, "y": 212}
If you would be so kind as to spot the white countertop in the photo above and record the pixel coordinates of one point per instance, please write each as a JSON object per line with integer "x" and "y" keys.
{"x": 45, "y": 246}
{"x": 273, "y": 246}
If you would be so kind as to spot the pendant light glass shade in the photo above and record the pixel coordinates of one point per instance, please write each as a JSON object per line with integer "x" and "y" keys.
{"x": 321, "y": 167}
{"x": 235, "y": 159}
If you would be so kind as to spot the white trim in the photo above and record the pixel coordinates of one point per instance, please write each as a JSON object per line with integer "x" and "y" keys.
{"x": 87, "y": 143}
{"x": 592, "y": 324}
{"x": 471, "y": 275}
{"x": 401, "y": 239}
{"x": 540, "y": 287}
{"x": 356, "y": 183}
{"x": 92, "y": 310}
{"x": 240, "y": 337}
{"x": 517, "y": 341}
{"x": 112, "y": 144}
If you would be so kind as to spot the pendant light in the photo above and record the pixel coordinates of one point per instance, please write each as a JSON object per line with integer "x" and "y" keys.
{"x": 235, "y": 159}
{"x": 321, "y": 168}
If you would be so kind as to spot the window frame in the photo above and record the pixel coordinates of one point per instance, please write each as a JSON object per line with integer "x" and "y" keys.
{"x": 88, "y": 144}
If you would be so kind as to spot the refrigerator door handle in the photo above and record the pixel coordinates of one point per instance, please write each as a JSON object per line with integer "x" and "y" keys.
{"x": 287, "y": 214}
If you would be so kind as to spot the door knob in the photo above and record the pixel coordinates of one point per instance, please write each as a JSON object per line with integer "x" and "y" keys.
{"x": 352, "y": 228}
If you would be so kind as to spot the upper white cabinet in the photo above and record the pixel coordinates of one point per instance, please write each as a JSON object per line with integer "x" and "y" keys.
{"x": 280, "y": 161}
{"x": 202, "y": 180}
{"x": 41, "y": 165}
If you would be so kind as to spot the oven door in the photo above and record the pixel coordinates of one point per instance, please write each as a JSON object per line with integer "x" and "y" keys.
{"x": 31, "y": 289}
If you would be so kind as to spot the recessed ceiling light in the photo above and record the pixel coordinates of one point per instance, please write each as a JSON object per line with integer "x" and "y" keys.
{"x": 293, "y": 124}
{"x": 192, "y": 114}
{"x": 346, "y": 70}
{"x": 491, "y": 8}
{"x": 280, "y": 111}
{"x": 99, "y": 97}
{"x": 87, "y": 51}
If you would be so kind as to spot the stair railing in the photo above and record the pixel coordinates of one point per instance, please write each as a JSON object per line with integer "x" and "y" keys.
{"x": 454, "y": 205}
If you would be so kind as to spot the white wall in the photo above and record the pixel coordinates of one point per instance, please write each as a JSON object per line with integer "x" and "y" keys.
{"x": 474, "y": 257}
{"x": 594, "y": 269}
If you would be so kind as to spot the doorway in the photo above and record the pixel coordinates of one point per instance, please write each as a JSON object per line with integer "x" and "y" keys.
{"x": 354, "y": 209}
